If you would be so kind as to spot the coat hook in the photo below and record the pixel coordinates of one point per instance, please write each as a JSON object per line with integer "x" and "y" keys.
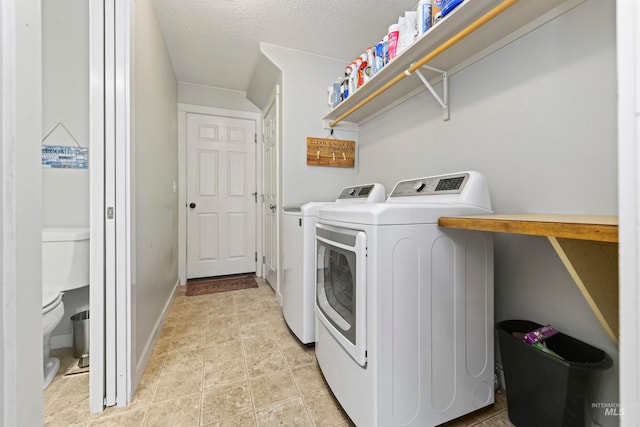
{"x": 344, "y": 156}
{"x": 318, "y": 154}
{"x": 334, "y": 156}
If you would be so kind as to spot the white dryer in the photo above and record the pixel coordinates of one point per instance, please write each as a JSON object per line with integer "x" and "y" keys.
{"x": 404, "y": 331}
{"x": 299, "y": 254}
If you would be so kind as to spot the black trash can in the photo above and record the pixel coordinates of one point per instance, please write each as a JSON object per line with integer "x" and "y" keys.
{"x": 542, "y": 389}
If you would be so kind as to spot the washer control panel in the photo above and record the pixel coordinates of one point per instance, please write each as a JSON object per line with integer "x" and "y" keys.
{"x": 445, "y": 184}
{"x": 365, "y": 193}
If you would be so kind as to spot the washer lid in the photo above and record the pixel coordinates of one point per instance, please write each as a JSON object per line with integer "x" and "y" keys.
{"x": 312, "y": 208}
{"x": 395, "y": 213}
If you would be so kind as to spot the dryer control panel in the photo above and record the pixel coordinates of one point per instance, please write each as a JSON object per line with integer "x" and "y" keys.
{"x": 445, "y": 184}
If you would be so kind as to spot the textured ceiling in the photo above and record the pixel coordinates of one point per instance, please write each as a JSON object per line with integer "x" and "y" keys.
{"x": 216, "y": 42}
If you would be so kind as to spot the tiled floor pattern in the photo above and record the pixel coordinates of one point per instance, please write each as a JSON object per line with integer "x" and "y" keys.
{"x": 225, "y": 359}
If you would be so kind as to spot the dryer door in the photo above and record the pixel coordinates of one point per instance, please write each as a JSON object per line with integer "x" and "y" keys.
{"x": 341, "y": 287}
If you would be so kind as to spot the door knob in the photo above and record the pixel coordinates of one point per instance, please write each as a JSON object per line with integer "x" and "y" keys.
{"x": 192, "y": 205}
{"x": 272, "y": 207}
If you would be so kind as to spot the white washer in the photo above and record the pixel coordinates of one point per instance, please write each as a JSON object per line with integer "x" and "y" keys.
{"x": 404, "y": 331}
{"x": 298, "y": 256}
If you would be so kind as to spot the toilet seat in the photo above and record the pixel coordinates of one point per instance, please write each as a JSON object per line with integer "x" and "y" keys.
{"x": 50, "y": 300}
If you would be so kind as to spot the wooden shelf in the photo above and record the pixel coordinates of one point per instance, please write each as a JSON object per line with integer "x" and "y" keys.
{"x": 586, "y": 244}
{"x": 581, "y": 227}
{"x": 519, "y": 19}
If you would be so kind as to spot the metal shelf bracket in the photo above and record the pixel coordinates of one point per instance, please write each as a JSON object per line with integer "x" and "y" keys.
{"x": 444, "y": 100}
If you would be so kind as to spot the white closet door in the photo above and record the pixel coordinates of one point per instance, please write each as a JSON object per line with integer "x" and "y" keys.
{"x": 271, "y": 185}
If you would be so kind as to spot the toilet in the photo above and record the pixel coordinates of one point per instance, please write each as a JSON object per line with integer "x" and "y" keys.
{"x": 65, "y": 266}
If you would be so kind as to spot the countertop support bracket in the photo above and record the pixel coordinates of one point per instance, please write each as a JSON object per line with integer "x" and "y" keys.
{"x": 586, "y": 244}
{"x": 444, "y": 100}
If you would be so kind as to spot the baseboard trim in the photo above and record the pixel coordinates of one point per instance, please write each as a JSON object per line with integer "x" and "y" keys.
{"x": 151, "y": 342}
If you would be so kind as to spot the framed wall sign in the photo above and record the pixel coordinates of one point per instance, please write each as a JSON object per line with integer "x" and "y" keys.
{"x": 331, "y": 152}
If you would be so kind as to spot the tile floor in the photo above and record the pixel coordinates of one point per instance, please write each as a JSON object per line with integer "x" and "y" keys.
{"x": 225, "y": 359}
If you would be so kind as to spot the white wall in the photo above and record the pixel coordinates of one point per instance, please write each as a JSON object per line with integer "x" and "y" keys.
{"x": 154, "y": 172}
{"x": 266, "y": 76}
{"x": 538, "y": 118}
{"x": 65, "y": 99}
{"x": 20, "y": 214}
{"x": 207, "y": 96}
{"x": 305, "y": 78}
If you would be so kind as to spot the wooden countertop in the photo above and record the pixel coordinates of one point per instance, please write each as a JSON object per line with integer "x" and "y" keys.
{"x": 599, "y": 228}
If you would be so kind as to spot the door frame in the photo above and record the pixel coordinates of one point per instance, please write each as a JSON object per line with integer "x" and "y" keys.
{"x": 110, "y": 298}
{"x": 628, "y": 67}
{"x": 183, "y": 110}
{"x": 96, "y": 197}
{"x": 20, "y": 213}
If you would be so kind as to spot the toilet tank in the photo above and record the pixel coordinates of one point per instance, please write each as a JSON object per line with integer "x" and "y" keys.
{"x": 65, "y": 258}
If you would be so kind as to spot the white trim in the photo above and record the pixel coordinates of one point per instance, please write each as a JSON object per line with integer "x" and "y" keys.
{"x": 277, "y": 99}
{"x": 96, "y": 197}
{"x": 20, "y": 213}
{"x": 131, "y": 348}
{"x": 110, "y": 141}
{"x": 122, "y": 175}
{"x": 215, "y": 111}
{"x": 628, "y": 67}
{"x": 182, "y": 196}
{"x": 183, "y": 110}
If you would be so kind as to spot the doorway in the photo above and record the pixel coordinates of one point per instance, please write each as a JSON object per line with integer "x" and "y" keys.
{"x": 221, "y": 195}
{"x": 220, "y": 173}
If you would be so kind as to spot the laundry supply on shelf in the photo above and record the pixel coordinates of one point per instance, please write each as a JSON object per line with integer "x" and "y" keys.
{"x": 408, "y": 30}
{"x": 371, "y": 59}
{"x": 424, "y": 16}
{"x": 400, "y": 36}
{"x": 448, "y": 6}
{"x": 345, "y": 82}
{"x": 436, "y": 7}
{"x": 379, "y": 56}
{"x": 393, "y": 35}
{"x": 353, "y": 78}
{"x": 385, "y": 49}
{"x": 362, "y": 78}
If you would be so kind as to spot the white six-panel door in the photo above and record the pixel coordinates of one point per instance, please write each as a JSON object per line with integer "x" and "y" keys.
{"x": 221, "y": 201}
